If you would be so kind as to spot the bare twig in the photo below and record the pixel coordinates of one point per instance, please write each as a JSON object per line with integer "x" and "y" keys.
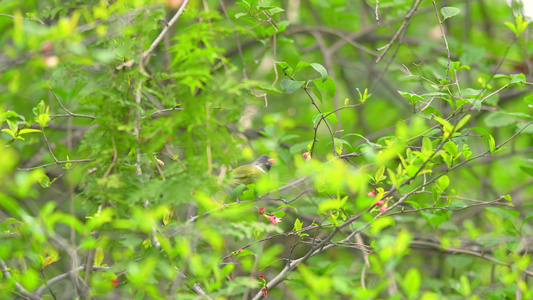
{"x": 444, "y": 37}
{"x": 402, "y": 28}
{"x": 15, "y": 17}
{"x": 71, "y": 114}
{"x": 376, "y": 13}
{"x": 20, "y": 288}
{"x": 39, "y": 291}
{"x": 56, "y": 163}
{"x": 48, "y": 145}
{"x": 468, "y": 252}
{"x": 143, "y": 61}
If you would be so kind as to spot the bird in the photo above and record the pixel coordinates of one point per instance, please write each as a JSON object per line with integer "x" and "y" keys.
{"x": 249, "y": 173}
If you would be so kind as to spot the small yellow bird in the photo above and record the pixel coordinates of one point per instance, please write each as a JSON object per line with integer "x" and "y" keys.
{"x": 249, "y": 173}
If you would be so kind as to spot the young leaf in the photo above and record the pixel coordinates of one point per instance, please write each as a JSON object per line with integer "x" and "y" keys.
{"x": 98, "y": 256}
{"x": 332, "y": 118}
{"x": 317, "y": 93}
{"x": 412, "y": 282}
{"x": 449, "y": 11}
{"x": 28, "y": 130}
{"x": 327, "y": 86}
{"x": 528, "y": 171}
{"x": 443, "y": 182}
{"x": 320, "y": 69}
{"x": 316, "y": 119}
{"x": 301, "y": 65}
{"x": 290, "y": 86}
{"x": 451, "y": 148}
{"x": 297, "y": 225}
{"x": 268, "y": 89}
{"x": 462, "y": 122}
{"x": 486, "y": 135}
{"x": 499, "y": 119}
{"x": 285, "y": 67}
{"x": 338, "y": 146}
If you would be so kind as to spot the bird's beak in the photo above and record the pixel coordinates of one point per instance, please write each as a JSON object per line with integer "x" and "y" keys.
{"x": 272, "y": 161}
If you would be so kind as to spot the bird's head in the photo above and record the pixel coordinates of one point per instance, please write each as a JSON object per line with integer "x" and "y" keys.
{"x": 264, "y": 162}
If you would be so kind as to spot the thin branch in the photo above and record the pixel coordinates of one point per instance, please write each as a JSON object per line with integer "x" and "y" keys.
{"x": 469, "y": 252}
{"x": 377, "y": 14}
{"x": 165, "y": 30}
{"x": 15, "y": 17}
{"x": 71, "y": 114}
{"x": 444, "y": 37}
{"x": 64, "y": 276}
{"x": 21, "y": 289}
{"x": 48, "y": 144}
{"x": 237, "y": 40}
{"x": 56, "y": 163}
{"x": 402, "y": 28}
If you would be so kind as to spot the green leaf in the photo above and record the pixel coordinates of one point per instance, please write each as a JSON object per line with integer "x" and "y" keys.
{"x": 317, "y": 93}
{"x": 290, "y": 86}
{"x": 380, "y": 223}
{"x": 527, "y": 170}
{"x": 297, "y": 148}
{"x": 436, "y": 218}
{"x": 432, "y": 110}
{"x": 238, "y": 15}
{"x": 446, "y": 126}
{"x": 288, "y": 137}
{"x": 462, "y": 122}
{"x": 297, "y": 225}
{"x": 427, "y": 146}
{"x": 519, "y": 26}
{"x": 472, "y": 93}
{"x": 28, "y": 130}
{"x": 285, "y": 67}
{"x": 98, "y": 256}
{"x": 10, "y": 132}
{"x": 443, "y": 182}
{"x": 330, "y": 204}
{"x": 486, "y": 136}
{"x": 379, "y": 174}
{"x": 447, "y": 158}
{"x": 413, "y": 98}
{"x": 528, "y": 99}
{"x": 517, "y": 78}
{"x": 465, "y": 285}
{"x": 13, "y": 126}
{"x": 412, "y": 282}
{"x": 320, "y": 69}
{"x": 393, "y": 177}
{"x": 338, "y": 146}
{"x": 449, "y": 11}
{"x": 275, "y": 10}
{"x": 45, "y": 182}
{"x": 332, "y": 118}
{"x": 451, "y": 148}
{"x": 316, "y": 119}
{"x": 327, "y": 86}
{"x": 512, "y": 27}
{"x": 507, "y": 214}
{"x": 499, "y": 119}
{"x": 501, "y": 76}
{"x": 301, "y": 65}
{"x": 268, "y": 88}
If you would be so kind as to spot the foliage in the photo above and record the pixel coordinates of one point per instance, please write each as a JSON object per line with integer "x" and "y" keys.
{"x": 402, "y": 172}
